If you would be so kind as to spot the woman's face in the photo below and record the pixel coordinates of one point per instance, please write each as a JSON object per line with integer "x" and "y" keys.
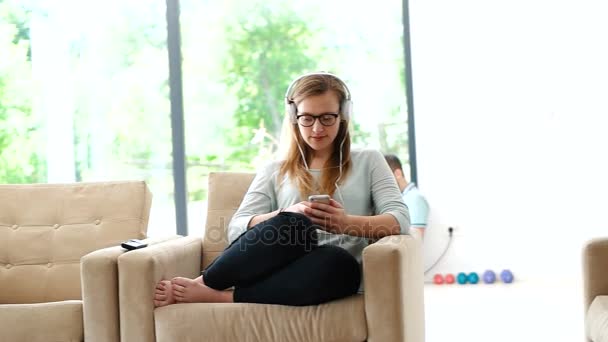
{"x": 319, "y": 137}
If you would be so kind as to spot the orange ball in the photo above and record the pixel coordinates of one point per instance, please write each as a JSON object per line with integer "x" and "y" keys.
{"x": 449, "y": 279}
{"x": 438, "y": 279}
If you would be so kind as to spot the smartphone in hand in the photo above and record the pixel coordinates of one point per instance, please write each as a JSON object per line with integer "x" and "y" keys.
{"x": 319, "y": 199}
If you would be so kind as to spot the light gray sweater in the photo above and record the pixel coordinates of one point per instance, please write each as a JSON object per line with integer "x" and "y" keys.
{"x": 369, "y": 189}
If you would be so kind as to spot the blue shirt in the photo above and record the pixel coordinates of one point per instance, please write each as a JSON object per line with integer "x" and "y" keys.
{"x": 417, "y": 205}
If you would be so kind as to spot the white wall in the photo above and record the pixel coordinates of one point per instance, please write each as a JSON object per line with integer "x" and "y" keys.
{"x": 511, "y": 105}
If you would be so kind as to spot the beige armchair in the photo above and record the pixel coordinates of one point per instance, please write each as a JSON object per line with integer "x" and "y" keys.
{"x": 45, "y": 230}
{"x": 391, "y": 309}
{"x": 595, "y": 284}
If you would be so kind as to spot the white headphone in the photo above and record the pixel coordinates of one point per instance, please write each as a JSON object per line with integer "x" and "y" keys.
{"x": 346, "y": 106}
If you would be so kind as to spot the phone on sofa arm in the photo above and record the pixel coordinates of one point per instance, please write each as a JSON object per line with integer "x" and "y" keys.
{"x": 133, "y": 244}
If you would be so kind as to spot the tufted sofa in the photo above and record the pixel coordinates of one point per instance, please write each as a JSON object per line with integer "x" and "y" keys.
{"x": 390, "y": 310}
{"x": 45, "y": 230}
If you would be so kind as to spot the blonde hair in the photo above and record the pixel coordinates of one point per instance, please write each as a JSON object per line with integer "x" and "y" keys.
{"x": 294, "y": 166}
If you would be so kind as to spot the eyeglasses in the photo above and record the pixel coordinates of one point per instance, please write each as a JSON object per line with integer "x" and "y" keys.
{"x": 308, "y": 120}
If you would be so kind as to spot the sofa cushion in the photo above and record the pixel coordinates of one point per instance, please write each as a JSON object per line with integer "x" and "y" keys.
{"x": 46, "y": 228}
{"x": 341, "y": 320}
{"x": 597, "y": 320}
{"x": 57, "y": 321}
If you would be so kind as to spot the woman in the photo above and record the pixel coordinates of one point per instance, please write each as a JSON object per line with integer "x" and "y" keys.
{"x": 287, "y": 250}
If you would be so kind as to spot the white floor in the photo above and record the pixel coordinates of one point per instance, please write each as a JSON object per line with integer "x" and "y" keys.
{"x": 547, "y": 310}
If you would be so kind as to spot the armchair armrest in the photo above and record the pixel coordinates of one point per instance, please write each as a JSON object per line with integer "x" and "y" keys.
{"x": 99, "y": 278}
{"x": 139, "y": 272}
{"x": 394, "y": 289}
{"x": 595, "y": 275}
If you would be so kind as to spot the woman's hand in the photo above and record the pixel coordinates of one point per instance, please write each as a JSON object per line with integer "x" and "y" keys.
{"x": 330, "y": 216}
{"x": 299, "y": 208}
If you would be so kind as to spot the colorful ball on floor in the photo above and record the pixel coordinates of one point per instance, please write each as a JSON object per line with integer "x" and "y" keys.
{"x": 449, "y": 278}
{"x": 438, "y": 279}
{"x": 461, "y": 278}
{"x": 507, "y": 276}
{"x": 473, "y": 278}
{"x": 489, "y": 277}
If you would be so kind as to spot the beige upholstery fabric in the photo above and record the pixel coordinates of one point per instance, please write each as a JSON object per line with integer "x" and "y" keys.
{"x": 45, "y": 229}
{"x": 596, "y": 321}
{"x": 58, "y": 321}
{"x": 391, "y": 310}
{"x": 595, "y": 283}
{"x": 342, "y": 320}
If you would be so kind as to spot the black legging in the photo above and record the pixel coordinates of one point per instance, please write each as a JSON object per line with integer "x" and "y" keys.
{"x": 278, "y": 261}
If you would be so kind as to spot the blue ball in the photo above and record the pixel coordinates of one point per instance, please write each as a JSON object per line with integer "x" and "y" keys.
{"x": 473, "y": 278}
{"x": 506, "y": 276}
{"x": 461, "y": 278}
{"x": 489, "y": 277}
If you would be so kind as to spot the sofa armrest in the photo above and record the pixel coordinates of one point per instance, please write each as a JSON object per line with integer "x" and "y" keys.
{"x": 595, "y": 270}
{"x": 99, "y": 277}
{"x": 139, "y": 272}
{"x": 394, "y": 289}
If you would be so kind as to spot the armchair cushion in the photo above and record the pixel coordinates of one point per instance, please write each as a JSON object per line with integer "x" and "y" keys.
{"x": 341, "y": 320}
{"x": 56, "y": 321}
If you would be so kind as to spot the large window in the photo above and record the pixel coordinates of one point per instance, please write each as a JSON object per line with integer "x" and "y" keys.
{"x": 84, "y": 95}
{"x": 84, "y": 87}
{"x": 239, "y": 56}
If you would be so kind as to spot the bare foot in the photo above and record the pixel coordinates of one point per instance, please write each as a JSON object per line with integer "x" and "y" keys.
{"x": 163, "y": 294}
{"x": 195, "y": 291}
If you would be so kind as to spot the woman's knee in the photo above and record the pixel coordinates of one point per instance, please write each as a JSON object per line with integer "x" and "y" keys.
{"x": 285, "y": 229}
{"x": 295, "y": 229}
